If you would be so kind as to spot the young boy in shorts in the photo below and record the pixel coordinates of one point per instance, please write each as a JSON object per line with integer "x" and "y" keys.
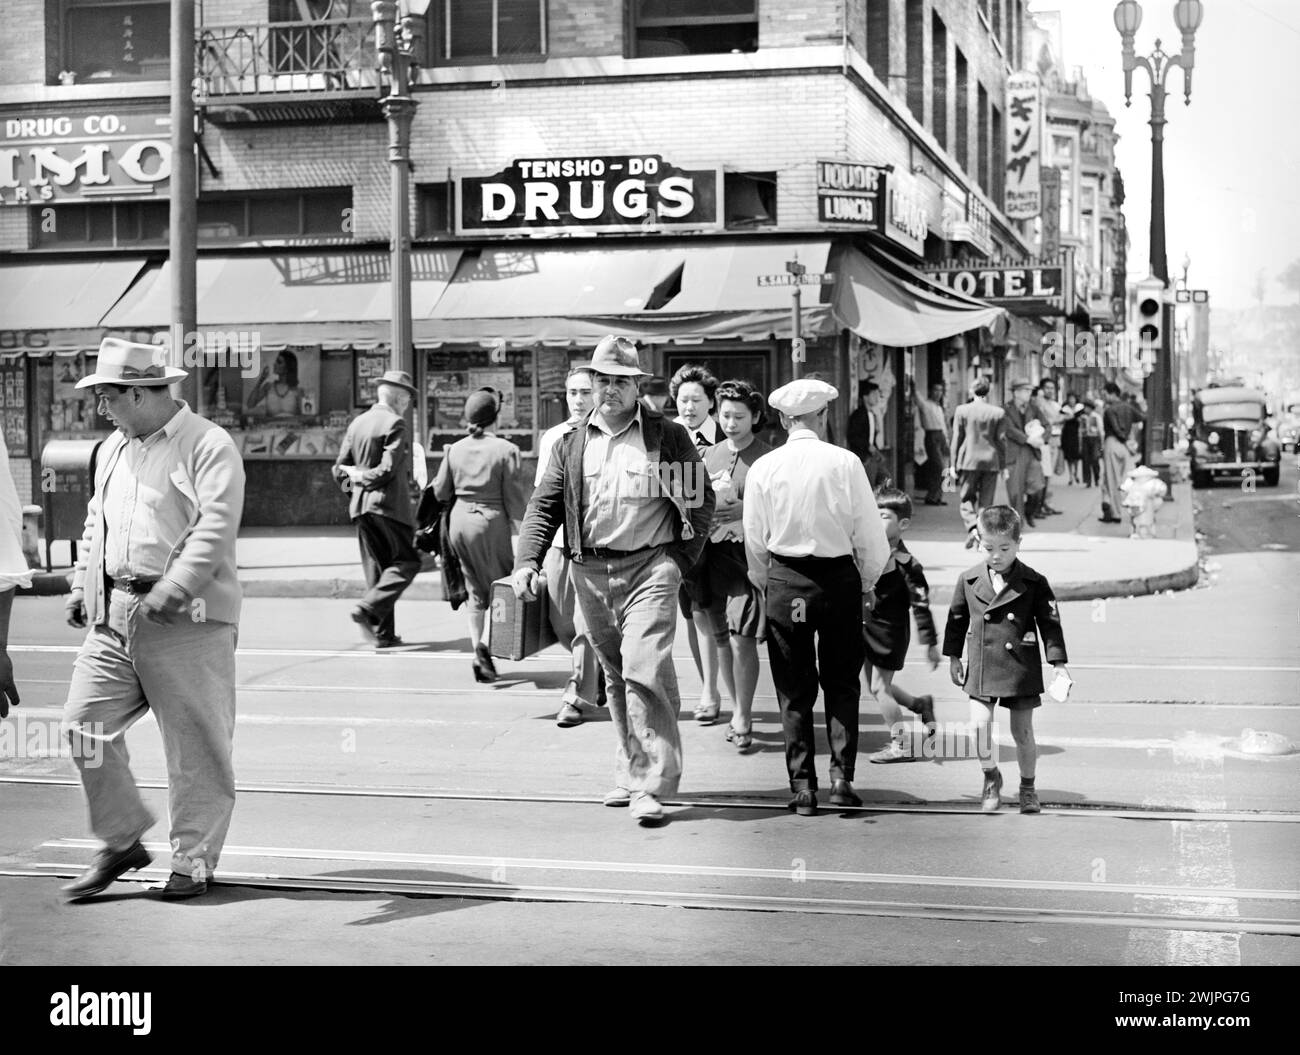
{"x": 901, "y": 588}
{"x": 995, "y": 608}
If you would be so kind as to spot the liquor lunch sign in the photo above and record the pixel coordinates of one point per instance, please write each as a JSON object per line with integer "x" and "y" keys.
{"x": 83, "y": 156}
{"x": 589, "y": 195}
{"x": 874, "y": 197}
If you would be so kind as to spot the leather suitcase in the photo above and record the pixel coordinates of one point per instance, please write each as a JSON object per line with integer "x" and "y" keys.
{"x": 518, "y": 628}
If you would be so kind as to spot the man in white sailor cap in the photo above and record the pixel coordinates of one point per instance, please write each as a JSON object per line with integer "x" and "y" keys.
{"x": 815, "y": 543}
{"x": 156, "y": 582}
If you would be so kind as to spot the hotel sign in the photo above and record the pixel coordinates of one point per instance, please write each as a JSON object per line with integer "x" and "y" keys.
{"x": 84, "y": 155}
{"x": 589, "y": 195}
{"x": 1009, "y": 285}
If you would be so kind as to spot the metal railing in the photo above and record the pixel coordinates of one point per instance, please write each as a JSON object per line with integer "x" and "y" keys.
{"x": 335, "y": 58}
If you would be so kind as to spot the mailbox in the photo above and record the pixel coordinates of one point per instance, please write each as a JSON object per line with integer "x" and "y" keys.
{"x": 67, "y": 482}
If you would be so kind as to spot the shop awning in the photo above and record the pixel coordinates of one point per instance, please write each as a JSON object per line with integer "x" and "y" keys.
{"x": 59, "y": 305}
{"x": 558, "y": 294}
{"x": 886, "y": 301}
{"x": 292, "y": 298}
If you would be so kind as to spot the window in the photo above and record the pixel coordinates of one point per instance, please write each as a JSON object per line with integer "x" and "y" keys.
{"x": 999, "y": 166}
{"x": 982, "y": 115}
{"x": 467, "y": 31}
{"x": 915, "y": 27}
{"x": 963, "y": 112}
{"x": 693, "y": 27}
{"x": 116, "y": 39}
{"x": 294, "y": 214}
{"x": 750, "y": 198}
{"x": 102, "y": 224}
{"x": 939, "y": 79}
{"x": 433, "y": 210}
{"x": 878, "y": 37}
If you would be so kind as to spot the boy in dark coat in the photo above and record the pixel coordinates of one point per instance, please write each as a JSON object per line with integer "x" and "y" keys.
{"x": 901, "y": 591}
{"x": 995, "y": 608}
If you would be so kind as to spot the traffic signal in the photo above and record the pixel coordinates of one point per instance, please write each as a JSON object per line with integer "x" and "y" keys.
{"x": 1150, "y": 314}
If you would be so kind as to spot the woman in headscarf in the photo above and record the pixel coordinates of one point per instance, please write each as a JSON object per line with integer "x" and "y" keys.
{"x": 482, "y": 473}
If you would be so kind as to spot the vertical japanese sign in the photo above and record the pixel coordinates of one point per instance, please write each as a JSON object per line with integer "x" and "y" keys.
{"x": 1024, "y": 143}
{"x": 1051, "y": 179}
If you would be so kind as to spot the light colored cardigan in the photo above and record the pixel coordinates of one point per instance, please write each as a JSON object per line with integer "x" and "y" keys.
{"x": 208, "y": 476}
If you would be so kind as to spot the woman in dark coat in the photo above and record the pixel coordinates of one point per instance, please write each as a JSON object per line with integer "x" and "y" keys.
{"x": 482, "y": 472}
{"x": 1071, "y": 440}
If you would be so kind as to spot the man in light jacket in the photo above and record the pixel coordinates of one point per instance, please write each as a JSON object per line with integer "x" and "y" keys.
{"x": 156, "y": 583}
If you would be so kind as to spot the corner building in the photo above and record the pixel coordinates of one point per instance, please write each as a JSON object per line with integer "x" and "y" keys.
{"x": 656, "y": 168}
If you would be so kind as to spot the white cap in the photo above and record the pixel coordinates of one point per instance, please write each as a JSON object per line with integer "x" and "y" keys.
{"x": 804, "y": 396}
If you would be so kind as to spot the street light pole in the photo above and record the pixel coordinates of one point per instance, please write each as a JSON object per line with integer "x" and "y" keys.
{"x": 1187, "y": 17}
{"x": 399, "y": 29}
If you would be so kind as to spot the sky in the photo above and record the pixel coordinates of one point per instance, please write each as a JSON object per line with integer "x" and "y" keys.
{"x": 1231, "y": 157}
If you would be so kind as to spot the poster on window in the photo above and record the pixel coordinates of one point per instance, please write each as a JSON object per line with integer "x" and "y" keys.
{"x": 73, "y": 409}
{"x": 1024, "y": 138}
{"x": 286, "y": 389}
{"x": 502, "y": 381}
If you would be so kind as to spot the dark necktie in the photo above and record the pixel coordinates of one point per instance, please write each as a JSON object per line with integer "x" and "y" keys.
{"x": 700, "y": 441}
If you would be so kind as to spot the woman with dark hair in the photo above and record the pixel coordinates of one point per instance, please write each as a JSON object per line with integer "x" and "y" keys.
{"x": 692, "y": 390}
{"x": 734, "y": 617}
{"x": 283, "y": 396}
{"x": 1071, "y": 445}
{"x": 482, "y": 473}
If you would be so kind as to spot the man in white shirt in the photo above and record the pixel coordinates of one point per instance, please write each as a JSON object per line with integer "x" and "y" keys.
{"x": 156, "y": 582}
{"x": 586, "y": 683}
{"x": 815, "y": 543}
{"x": 930, "y": 421}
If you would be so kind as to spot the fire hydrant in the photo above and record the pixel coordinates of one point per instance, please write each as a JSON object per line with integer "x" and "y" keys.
{"x": 1144, "y": 493}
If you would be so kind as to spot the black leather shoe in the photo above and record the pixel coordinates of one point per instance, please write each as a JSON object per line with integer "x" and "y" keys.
{"x": 804, "y": 803}
{"x": 485, "y": 670}
{"x": 388, "y": 642}
{"x": 179, "y": 887}
{"x": 842, "y": 794}
{"x": 366, "y": 621}
{"x": 108, "y": 867}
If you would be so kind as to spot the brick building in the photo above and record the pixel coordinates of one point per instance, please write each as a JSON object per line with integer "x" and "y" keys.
{"x": 579, "y": 167}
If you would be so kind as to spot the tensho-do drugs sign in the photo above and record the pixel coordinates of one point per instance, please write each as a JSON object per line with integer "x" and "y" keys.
{"x": 589, "y": 195}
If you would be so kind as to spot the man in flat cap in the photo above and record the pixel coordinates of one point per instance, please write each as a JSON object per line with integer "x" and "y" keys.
{"x": 815, "y": 543}
{"x": 631, "y": 491}
{"x": 374, "y": 469}
{"x": 156, "y": 582}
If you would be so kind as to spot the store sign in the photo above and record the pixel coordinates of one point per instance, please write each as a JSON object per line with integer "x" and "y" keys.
{"x": 1051, "y": 183}
{"x": 850, "y": 193}
{"x": 588, "y": 195}
{"x": 872, "y": 197}
{"x": 84, "y": 155}
{"x": 1003, "y": 285}
{"x": 1024, "y": 144}
{"x": 974, "y": 228}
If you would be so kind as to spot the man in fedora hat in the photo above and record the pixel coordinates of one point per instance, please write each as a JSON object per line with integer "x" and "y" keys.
{"x": 156, "y": 582}
{"x": 815, "y": 545}
{"x": 1025, "y": 478}
{"x": 631, "y": 491}
{"x": 374, "y": 469}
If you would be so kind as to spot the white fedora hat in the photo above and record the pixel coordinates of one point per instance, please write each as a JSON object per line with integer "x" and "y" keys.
{"x": 127, "y": 363}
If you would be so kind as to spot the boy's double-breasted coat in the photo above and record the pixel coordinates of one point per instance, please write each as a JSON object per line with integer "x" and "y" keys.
{"x": 1002, "y": 635}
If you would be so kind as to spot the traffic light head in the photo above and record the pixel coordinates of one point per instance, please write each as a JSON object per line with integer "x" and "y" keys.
{"x": 1149, "y": 316}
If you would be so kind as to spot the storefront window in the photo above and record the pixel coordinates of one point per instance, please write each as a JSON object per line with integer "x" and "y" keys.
{"x": 451, "y": 375}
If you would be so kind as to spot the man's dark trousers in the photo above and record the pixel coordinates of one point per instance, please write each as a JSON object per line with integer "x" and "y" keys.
{"x": 820, "y": 596}
{"x": 936, "y": 460}
{"x": 390, "y": 561}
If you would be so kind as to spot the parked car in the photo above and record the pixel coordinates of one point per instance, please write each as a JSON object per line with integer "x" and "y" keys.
{"x": 1230, "y": 436}
{"x": 1288, "y": 427}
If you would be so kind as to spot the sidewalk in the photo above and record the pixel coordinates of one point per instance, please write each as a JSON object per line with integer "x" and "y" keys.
{"x": 1082, "y": 558}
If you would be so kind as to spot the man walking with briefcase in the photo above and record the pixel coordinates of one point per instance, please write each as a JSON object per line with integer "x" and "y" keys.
{"x": 630, "y": 489}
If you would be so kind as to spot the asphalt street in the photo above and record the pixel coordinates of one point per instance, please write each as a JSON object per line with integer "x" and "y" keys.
{"x": 384, "y": 797}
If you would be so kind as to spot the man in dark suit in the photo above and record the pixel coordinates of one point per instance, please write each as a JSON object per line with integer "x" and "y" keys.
{"x": 866, "y": 432}
{"x": 978, "y": 451}
{"x": 374, "y": 469}
{"x": 1025, "y": 479}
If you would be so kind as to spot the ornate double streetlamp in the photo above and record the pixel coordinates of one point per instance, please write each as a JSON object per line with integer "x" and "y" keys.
{"x": 399, "y": 37}
{"x": 1187, "y": 17}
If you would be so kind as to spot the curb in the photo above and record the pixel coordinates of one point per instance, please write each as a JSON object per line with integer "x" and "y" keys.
{"x": 431, "y": 590}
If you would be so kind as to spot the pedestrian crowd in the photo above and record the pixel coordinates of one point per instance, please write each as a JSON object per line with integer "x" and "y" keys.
{"x": 636, "y": 519}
